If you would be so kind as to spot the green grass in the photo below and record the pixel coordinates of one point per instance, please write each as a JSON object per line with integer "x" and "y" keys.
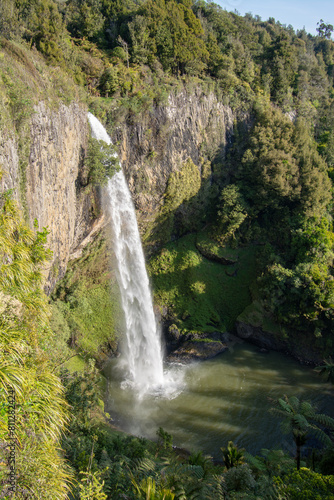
{"x": 75, "y": 364}
{"x": 199, "y": 293}
{"x": 86, "y": 304}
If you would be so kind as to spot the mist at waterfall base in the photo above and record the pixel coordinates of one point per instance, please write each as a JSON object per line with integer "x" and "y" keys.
{"x": 203, "y": 405}
{"x": 223, "y": 399}
{"x": 141, "y": 362}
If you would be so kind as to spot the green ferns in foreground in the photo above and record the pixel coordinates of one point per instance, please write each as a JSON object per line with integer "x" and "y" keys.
{"x": 105, "y": 464}
{"x": 41, "y": 411}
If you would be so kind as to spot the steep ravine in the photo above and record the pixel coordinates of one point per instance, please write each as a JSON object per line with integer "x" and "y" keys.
{"x": 167, "y": 155}
{"x": 171, "y": 145}
{"x": 50, "y": 187}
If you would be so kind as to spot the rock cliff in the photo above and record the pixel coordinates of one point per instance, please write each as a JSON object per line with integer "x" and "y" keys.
{"x": 9, "y": 162}
{"x": 190, "y": 126}
{"x": 58, "y": 141}
{"x": 49, "y": 187}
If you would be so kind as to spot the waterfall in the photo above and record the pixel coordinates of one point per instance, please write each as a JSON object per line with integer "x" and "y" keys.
{"x": 142, "y": 356}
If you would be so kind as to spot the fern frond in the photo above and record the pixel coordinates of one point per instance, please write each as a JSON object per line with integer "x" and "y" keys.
{"x": 323, "y": 437}
{"x": 324, "y": 420}
{"x": 255, "y": 462}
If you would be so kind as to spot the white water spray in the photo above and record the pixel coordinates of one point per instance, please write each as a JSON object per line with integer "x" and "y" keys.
{"x": 143, "y": 354}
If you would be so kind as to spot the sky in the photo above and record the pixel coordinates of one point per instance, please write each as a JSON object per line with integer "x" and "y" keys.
{"x": 298, "y": 13}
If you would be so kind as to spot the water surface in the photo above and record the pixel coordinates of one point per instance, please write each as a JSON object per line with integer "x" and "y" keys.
{"x": 226, "y": 398}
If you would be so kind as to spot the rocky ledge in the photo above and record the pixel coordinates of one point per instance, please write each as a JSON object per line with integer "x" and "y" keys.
{"x": 270, "y": 341}
{"x": 199, "y": 347}
{"x": 210, "y": 255}
{"x": 194, "y": 350}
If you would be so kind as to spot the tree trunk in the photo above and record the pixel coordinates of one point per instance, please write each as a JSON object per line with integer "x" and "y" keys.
{"x": 298, "y": 456}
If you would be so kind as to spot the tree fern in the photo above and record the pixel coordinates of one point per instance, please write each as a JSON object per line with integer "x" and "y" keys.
{"x": 327, "y": 370}
{"x": 256, "y": 463}
{"x": 148, "y": 489}
{"x": 301, "y": 419}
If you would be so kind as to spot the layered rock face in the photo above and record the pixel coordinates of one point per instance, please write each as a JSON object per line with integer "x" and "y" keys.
{"x": 50, "y": 181}
{"x": 191, "y": 125}
{"x": 58, "y": 141}
{"x": 9, "y": 162}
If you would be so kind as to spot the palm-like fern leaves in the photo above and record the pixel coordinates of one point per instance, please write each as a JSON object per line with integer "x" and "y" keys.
{"x": 233, "y": 456}
{"x": 183, "y": 481}
{"x": 327, "y": 370}
{"x": 301, "y": 419}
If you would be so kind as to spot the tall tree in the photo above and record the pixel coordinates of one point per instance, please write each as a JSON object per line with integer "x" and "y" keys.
{"x": 301, "y": 419}
{"x": 324, "y": 30}
{"x": 270, "y": 170}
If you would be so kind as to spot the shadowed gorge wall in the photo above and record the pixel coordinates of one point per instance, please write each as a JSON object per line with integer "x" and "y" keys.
{"x": 192, "y": 126}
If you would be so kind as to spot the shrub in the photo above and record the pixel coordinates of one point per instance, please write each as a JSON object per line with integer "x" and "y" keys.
{"x": 307, "y": 485}
{"x": 239, "y": 478}
{"x": 101, "y": 161}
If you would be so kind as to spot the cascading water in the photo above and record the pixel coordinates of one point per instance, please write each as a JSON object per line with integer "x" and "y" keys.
{"x": 142, "y": 352}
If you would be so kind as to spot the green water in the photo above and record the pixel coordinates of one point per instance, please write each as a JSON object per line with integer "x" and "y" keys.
{"x": 223, "y": 399}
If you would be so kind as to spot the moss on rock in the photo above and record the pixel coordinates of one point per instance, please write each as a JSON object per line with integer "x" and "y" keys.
{"x": 187, "y": 204}
{"x": 86, "y": 303}
{"x": 182, "y": 186}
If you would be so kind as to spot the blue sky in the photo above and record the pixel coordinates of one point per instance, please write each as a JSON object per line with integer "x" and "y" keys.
{"x": 298, "y": 13}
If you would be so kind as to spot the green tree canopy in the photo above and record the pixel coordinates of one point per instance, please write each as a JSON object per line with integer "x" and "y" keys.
{"x": 177, "y": 33}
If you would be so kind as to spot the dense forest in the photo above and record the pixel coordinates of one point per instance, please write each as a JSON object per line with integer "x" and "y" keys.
{"x": 269, "y": 199}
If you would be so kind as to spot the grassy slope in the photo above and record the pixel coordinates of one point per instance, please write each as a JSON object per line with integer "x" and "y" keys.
{"x": 85, "y": 303}
{"x": 200, "y": 294}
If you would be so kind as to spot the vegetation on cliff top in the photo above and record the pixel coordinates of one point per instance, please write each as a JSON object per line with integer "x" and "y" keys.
{"x": 273, "y": 193}
{"x": 136, "y": 52}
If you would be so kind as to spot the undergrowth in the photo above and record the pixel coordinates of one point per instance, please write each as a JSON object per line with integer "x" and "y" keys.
{"x": 85, "y": 303}
{"x": 201, "y": 294}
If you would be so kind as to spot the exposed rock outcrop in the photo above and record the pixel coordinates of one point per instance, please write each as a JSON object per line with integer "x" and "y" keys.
{"x": 210, "y": 255}
{"x": 192, "y": 126}
{"x": 197, "y": 351}
{"x": 268, "y": 340}
{"x": 49, "y": 186}
{"x": 9, "y": 162}
{"x": 202, "y": 346}
{"x": 189, "y": 127}
{"x": 58, "y": 142}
